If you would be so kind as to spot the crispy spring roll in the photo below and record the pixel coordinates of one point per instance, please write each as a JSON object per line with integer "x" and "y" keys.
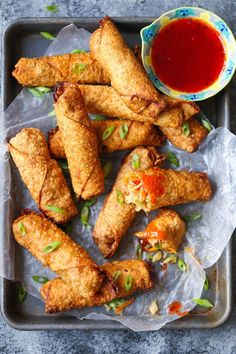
{"x": 127, "y": 74}
{"x": 115, "y": 216}
{"x": 47, "y": 71}
{"x": 156, "y": 188}
{"x": 59, "y": 296}
{"x": 69, "y": 260}
{"x": 42, "y": 175}
{"x": 138, "y": 134}
{"x": 165, "y": 232}
{"x": 80, "y": 142}
{"x": 189, "y": 143}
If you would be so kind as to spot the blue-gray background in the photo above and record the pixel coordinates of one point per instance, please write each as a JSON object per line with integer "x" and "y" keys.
{"x": 219, "y": 340}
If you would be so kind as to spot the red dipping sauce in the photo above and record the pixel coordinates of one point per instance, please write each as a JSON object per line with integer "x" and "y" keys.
{"x": 188, "y": 55}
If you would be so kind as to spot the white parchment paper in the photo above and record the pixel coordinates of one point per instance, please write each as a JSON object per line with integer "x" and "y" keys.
{"x": 205, "y": 240}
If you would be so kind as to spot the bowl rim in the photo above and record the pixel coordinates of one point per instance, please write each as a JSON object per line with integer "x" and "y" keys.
{"x": 187, "y": 95}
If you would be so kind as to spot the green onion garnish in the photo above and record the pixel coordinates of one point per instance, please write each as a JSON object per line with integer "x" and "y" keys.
{"x": 116, "y": 275}
{"x": 172, "y": 258}
{"x": 22, "y": 293}
{"x": 55, "y": 208}
{"x": 207, "y": 125}
{"x": 119, "y": 197}
{"x": 135, "y": 161}
{"x": 52, "y": 247}
{"x": 192, "y": 217}
{"x": 206, "y": 284}
{"x": 77, "y": 51}
{"x": 203, "y": 302}
{"x": 112, "y": 305}
{"x": 124, "y": 128}
{"x": 84, "y": 215}
{"x": 107, "y": 168}
{"x": 90, "y": 202}
{"x": 39, "y": 91}
{"x": 39, "y": 279}
{"x": 22, "y": 229}
{"x": 182, "y": 265}
{"x": 78, "y": 68}
{"x": 108, "y": 132}
{"x": 63, "y": 164}
{"x": 170, "y": 156}
{"x": 139, "y": 252}
{"x": 128, "y": 283}
{"x": 185, "y": 129}
{"x": 48, "y": 35}
{"x": 99, "y": 118}
{"x": 52, "y": 8}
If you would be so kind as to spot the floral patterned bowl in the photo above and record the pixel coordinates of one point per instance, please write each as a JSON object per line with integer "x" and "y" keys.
{"x": 148, "y": 33}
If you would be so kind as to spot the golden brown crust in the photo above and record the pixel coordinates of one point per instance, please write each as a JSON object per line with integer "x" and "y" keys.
{"x": 127, "y": 75}
{"x": 115, "y": 219}
{"x": 167, "y": 230}
{"x": 189, "y": 143}
{"x": 139, "y": 134}
{"x": 48, "y": 70}
{"x": 70, "y": 261}
{"x": 80, "y": 142}
{"x": 59, "y": 296}
{"x": 42, "y": 176}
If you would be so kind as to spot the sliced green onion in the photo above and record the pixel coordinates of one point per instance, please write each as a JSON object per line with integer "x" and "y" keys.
{"x": 52, "y": 8}
{"x": 39, "y": 91}
{"x": 157, "y": 257}
{"x": 139, "y": 252}
{"x": 172, "y": 258}
{"x": 185, "y": 129}
{"x": 124, "y": 128}
{"x": 63, "y": 164}
{"x": 48, "y": 35}
{"x": 108, "y": 132}
{"x": 128, "y": 283}
{"x": 52, "y": 113}
{"x": 77, "y": 51}
{"x": 99, "y": 118}
{"x": 119, "y": 197}
{"x": 116, "y": 275}
{"x": 22, "y": 293}
{"x": 39, "y": 279}
{"x": 78, "y": 68}
{"x": 22, "y": 229}
{"x": 192, "y": 217}
{"x": 52, "y": 247}
{"x": 112, "y": 305}
{"x": 182, "y": 265}
{"x": 207, "y": 125}
{"x": 90, "y": 202}
{"x": 170, "y": 156}
{"x": 135, "y": 161}
{"x": 203, "y": 302}
{"x": 55, "y": 208}
{"x": 107, "y": 168}
{"x": 206, "y": 284}
{"x": 84, "y": 215}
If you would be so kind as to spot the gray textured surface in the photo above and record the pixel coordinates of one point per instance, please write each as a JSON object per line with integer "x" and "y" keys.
{"x": 220, "y": 340}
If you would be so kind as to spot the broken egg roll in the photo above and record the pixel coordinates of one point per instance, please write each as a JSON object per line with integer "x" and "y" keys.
{"x": 56, "y": 250}
{"x": 156, "y": 188}
{"x": 116, "y": 216}
{"x": 165, "y": 232}
{"x": 48, "y": 70}
{"x": 79, "y": 141}
{"x": 42, "y": 175}
{"x": 125, "y": 135}
{"x": 126, "y": 73}
{"x": 129, "y": 276}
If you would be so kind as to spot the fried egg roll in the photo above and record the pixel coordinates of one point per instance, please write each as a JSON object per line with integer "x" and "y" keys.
{"x": 126, "y": 73}
{"x": 137, "y": 134}
{"x": 189, "y": 143}
{"x": 59, "y": 296}
{"x": 80, "y": 142}
{"x": 47, "y": 71}
{"x": 155, "y": 188}
{"x": 69, "y": 260}
{"x": 165, "y": 232}
{"x": 116, "y": 216}
{"x": 42, "y": 175}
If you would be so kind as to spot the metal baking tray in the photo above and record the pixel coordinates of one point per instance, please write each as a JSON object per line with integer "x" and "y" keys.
{"x": 21, "y": 38}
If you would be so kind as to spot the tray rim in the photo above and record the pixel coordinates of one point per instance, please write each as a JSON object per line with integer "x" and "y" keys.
{"x": 102, "y": 324}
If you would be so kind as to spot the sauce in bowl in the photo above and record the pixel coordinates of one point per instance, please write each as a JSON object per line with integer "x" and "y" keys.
{"x": 188, "y": 55}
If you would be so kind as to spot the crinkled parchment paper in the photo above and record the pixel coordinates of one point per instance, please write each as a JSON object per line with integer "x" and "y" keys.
{"x": 205, "y": 240}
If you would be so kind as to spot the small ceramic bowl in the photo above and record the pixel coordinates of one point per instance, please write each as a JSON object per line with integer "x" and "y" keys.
{"x": 148, "y": 33}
